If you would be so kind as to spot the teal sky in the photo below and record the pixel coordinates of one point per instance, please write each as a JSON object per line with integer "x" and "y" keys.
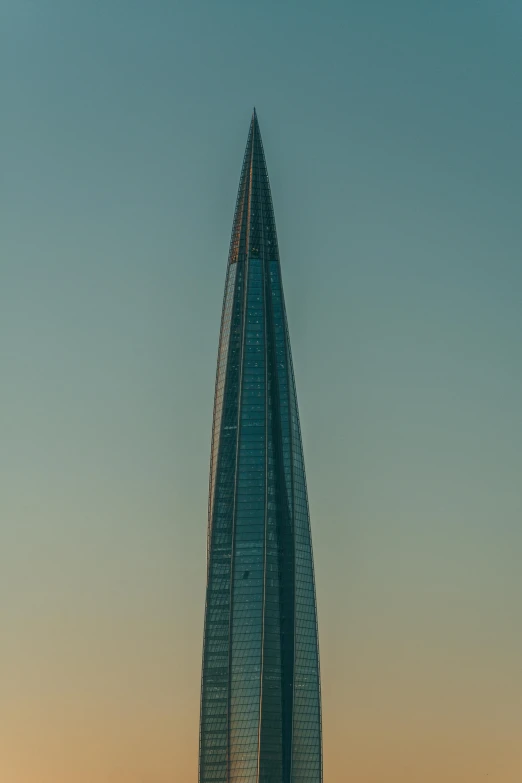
{"x": 393, "y": 140}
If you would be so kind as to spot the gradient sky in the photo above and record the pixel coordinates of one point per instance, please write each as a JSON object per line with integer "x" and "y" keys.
{"x": 393, "y": 138}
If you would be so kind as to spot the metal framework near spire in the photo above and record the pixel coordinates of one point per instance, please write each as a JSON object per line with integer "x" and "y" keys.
{"x": 260, "y": 693}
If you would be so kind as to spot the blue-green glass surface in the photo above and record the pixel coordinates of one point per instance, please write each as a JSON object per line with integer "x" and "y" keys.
{"x": 260, "y": 701}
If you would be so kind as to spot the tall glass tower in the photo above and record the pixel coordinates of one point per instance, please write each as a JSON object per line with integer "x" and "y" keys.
{"x": 260, "y": 693}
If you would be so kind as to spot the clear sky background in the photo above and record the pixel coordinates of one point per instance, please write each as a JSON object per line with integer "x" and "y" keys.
{"x": 393, "y": 138}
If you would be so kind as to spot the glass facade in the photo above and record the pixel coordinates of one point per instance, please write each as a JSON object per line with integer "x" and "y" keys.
{"x": 260, "y": 693}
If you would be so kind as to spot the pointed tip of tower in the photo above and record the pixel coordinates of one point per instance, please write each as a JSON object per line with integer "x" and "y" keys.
{"x": 254, "y": 134}
{"x": 254, "y": 189}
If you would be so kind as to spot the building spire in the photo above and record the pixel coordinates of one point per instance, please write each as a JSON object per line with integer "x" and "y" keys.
{"x": 260, "y": 693}
{"x": 254, "y": 225}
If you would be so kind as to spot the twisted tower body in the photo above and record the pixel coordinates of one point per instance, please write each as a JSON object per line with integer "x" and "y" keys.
{"x": 260, "y": 695}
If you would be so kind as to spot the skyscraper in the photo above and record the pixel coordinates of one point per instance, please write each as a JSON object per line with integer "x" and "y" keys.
{"x": 260, "y": 694}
